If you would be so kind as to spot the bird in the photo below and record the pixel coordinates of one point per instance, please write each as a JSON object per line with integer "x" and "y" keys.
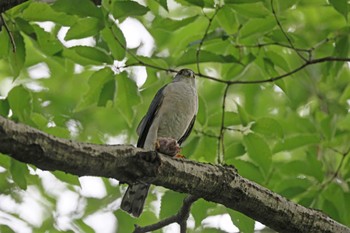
{"x": 170, "y": 118}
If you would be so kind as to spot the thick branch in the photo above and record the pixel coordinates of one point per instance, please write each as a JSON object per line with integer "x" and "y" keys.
{"x": 220, "y": 184}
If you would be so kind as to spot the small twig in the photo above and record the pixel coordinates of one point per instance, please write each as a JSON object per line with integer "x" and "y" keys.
{"x": 205, "y": 133}
{"x": 335, "y": 174}
{"x": 221, "y": 146}
{"x": 260, "y": 45}
{"x": 12, "y": 40}
{"x": 180, "y": 218}
{"x": 284, "y": 32}
{"x": 272, "y": 79}
{"x": 203, "y": 38}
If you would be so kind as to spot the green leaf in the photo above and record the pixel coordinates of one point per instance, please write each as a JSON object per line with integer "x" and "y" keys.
{"x": 107, "y": 93}
{"x": 341, "y": 49}
{"x": 240, "y": 1}
{"x": 122, "y": 9}
{"x": 4, "y": 107}
{"x": 19, "y": 171}
{"x": 148, "y": 61}
{"x": 115, "y": 41}
{"x": 84, "y": 28}
{"x": 227, "y": 20}
{"x": 250, "y": 28}
{"x": 20, "y": 101}
{"x": 243, "y": 115}
{"x": 234, "y": 150}
{"x": 295, "y": 142}
{"x": 5, "y": 44}
{"x": 127, "y": 96}
{"x": 86, "y": 55}
{"x": 38, "y": 11}
{"x": 17, "y": 57}
{"x": 231, "y": 119}
{"x": 66, "y": 177}
{"x": 244, "y": 223}
{"x": 78, "y": 7}
{"x": 342, "y": 6}
{"x": 170, "y": 24}
{"x": 97, "y": 83}
{"x": 248, "y": 170}
{"x": 58, "y": 132}
{"x": 259, "y": 151}
{"x": 252, "y": 10}
{"x": 200, "y": 210}
{"x": 199, "y": 3}
{"x": 291, "y": 187}
{"x": 171, "y": 203}
{"x": 125, "y": 221}
{"x": 164, "y": 4}
{"x": 268, "y": 127}
{"x": 6, "y": 229}
{"x": 190, "y": 57}
{"x": 48, "y": 43}
{"x": 39, "y": 120}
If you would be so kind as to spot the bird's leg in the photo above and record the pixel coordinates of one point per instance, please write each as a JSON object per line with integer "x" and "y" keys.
{"x": 168, "y": 146}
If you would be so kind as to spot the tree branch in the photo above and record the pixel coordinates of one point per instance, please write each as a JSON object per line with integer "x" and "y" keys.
{"x": 180, "y": 218}
{"x": 216, "y": 183}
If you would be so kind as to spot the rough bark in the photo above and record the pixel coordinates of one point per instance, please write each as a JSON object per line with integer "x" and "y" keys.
{"x": 216, "y": 183}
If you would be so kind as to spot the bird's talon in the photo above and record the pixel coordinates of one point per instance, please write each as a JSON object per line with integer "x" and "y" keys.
{"x": 157, "y": 146}
{"x": 180, "y": 156}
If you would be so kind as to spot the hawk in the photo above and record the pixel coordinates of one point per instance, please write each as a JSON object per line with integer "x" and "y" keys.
{"x": 170, "y": 116}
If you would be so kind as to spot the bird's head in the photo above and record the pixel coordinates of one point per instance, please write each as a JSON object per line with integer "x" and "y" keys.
{"x": 185, "y": 75}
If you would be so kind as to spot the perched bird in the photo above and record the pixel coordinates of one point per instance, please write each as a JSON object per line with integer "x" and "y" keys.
{"x": 170, "y": 116}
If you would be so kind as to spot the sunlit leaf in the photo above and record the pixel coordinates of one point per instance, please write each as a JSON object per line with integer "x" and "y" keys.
{"x": 75, "y": 7}
{"x": 86, "y": 55}
{"x": 38, "y": 11}
{"x": 244, "y": 223}
{"x": 4, "y": 107}
{"x": 20, "y": 101}
{"x": 71, "y": 179}
{"x": 127, "y": 8}
{"x": 342, "y": 6}
{"x": 127, "y": 96}
{"x": 19, "y": 171}
{"x": 115, "y": 41}
{"x": 250, "y": 28}
{"x": 259, "y": 151}
{"x": 297, "y": 141}
{"x": 171, "y": 203}
{"x": 101, "y": 79}
{"x": 269, "y": 127}
{"x": 84, "y": 28}
{"x": 17, "y": 56}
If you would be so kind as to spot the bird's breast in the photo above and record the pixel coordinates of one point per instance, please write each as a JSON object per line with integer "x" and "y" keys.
{"x": 179, "y": 106}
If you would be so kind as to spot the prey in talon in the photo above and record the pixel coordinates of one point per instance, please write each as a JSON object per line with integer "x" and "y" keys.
{"x": 169, "y": 146}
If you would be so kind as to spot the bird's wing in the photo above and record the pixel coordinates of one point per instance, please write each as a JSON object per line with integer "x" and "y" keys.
{"x": 147, "y": 120}
{"x": 188, "y": 131}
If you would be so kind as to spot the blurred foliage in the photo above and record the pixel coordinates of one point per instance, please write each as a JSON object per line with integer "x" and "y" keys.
{"x": 290, "y": 135}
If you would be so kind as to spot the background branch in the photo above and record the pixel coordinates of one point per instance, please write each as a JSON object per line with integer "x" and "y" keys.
{"x": 180, "y": 217}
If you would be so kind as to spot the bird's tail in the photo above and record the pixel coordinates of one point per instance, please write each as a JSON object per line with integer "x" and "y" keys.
{"x": 134, "y": 198}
